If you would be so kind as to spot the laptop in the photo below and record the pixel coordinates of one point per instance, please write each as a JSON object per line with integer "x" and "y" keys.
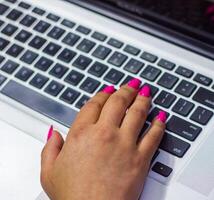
{"x": 55, "y": 55}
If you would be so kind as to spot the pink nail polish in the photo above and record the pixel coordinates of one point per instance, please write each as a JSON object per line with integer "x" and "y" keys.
{"x": 145, "y": 91}
{"x": 134, "y": 83}
{"x": 50, "y": 132}
{"x": 109, "y": 89}
{"x": 162, "y": 116}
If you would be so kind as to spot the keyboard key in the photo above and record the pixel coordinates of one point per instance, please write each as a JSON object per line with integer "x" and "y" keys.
{"x": 70, "y": 95}
{"x": 66, "y": 55}
{"x": 83, "y": 100}
{"x": 83, "y": 29}
{"x": 153, "y": 114}
{"x": 149, "y": 57}
{"x": 1, "y": 59}
{"x": 71, "y": 39}
{"x": 126, "y": 80}
{"x": 90, "y": 85}
{"x": 150, "y": 73}
{"x": 39, "y": 104}
{"x": 29, "y": 57}
{"x": 42, "y": 26}
{"x": 11, "y": 1}
{"x": 117, "y": 59}
{"x": 53, "y": 17}
{"x": 39, "y": 81}
{"x": 23, "y": 36}
{"x": 165, "y": 99}
{"x": 101, "y": 52}
{"x": 99, "y": 36}
{"x": 114, "y": 76}
{"x": 2, "y": 79}
{"x": 3, "y": 8}
{"x": 201, "y": 115}
{"x": 28, "y": 20}
{"x": 56, "y": 32}
{"x": 58, "y": 70}
{"x": 183, "y": 107}
{"x": 54, "y": 88}
{"x": 166, "y": 64}
{"x": 154, "y": 90}
{"x": 86, "y": 46}
{"x": 143, "y": 130}
{"x": 184, "y": 72}
{"x": 74, "y": 78}
{"x": 24, "y": 74}
{"x": 205, "y": 97}
{"x": 185, "y": 88}
{"x": 14, "y": 50}
{"x": 9, "y": 30}
{"x": 24, "y": 5}
{"x": 9, "y": 67}
{"x": 204, "y": 80}
{"x": 98, "y": 69}
{"x": 14, "y": 14}
{"x": 1, "y": 23}
{"x": 3, "y": 43}
{"x": 155, "y": 156}
{"x": 131, "y": 50}
{"x": 68, "y": 23}
{"x": 115, "y": 43}
{"x": 168, "y": 80}
{"x": 134, "y": 66}
{"x": 43, "y": 64}
{"x": 38, "y": 11}
{"x": 52, "y": 49}
{"x": 82, "y": 62}
{"x": 174, "y": 145}
{"x": 37, "y": 42}
{"x": 183, "y": 128}
{"x": 162, "y": 169}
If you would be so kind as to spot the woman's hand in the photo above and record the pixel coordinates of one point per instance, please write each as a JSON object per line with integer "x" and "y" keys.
{"x": 102, "y": 157}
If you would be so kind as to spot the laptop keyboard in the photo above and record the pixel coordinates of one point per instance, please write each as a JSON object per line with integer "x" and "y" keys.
{"x": 54, "y": 66}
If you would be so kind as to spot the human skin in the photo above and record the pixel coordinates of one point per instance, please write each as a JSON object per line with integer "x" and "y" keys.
{"x": 102, "y": 157}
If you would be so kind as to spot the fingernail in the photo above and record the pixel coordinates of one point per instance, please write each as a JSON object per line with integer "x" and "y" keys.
{"x": 162, "y": 116}
{"x": 109, "y": 89}
{"x": 134, "y": 83}
{"x": 50, "y": 132}
{"x": 145, "y": 91}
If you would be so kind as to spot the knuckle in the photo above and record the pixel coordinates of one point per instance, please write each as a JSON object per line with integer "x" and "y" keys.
{"x": 105, "y": 134}
{"x": 94, "y": 104}
{"x": 155, "y": 138}
{"x": 139, "y": 111}
{"x": 119, "y": 99}
{"x": 78, "y": 130}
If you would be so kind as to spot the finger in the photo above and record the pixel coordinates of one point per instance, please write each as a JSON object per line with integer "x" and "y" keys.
{"x": 151, "y": 141}
{"x": 117, "y": 105}
{"x": 137, "y": 114}
{"x": 49, "y": 153}
{"x": 90, "y": 113}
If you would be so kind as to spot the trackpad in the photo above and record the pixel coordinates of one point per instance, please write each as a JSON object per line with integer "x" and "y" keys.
{"x": 199, "y": 174}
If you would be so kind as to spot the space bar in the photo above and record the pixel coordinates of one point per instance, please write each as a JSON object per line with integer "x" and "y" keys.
{"x": 39, "y": 103}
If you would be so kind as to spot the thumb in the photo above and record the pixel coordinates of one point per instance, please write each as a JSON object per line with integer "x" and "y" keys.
{"x": 49, "y": 153}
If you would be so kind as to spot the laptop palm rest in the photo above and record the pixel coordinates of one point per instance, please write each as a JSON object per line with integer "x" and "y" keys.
{"x": 199, "y": 174}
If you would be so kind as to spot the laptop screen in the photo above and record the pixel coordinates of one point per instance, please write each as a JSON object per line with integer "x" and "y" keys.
{"x": 192, "y": 17}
